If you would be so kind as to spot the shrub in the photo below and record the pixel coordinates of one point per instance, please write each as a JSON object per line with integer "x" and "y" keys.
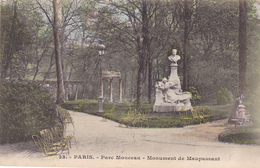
{"x": 25, "y": 109}
{"x": 224, "y": 96}
{"x": 165, "y": 122}
{"x": 135, "y": 118}
{"x": 241, "y": 136}
{"x": 195, "y": 95}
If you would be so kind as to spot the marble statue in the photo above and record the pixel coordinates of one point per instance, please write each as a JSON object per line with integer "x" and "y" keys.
{"x": 169, "y": 96}
{"x": 174, "y": 58}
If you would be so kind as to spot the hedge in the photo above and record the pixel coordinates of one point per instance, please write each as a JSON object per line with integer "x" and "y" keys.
{"x": 25, "y": 109}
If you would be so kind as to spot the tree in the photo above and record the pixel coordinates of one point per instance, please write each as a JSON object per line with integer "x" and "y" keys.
{"x": 138, "y": 25}
{"x": 64, "y": 13}
{"x": 187, "y": 27}
{"x": 213, "y": 39}
{"x": 242, "y": 46}
{"x": 1, "y": 37}
{"x": 14, "y": 37}
{"x": 56, "y": 33}
{"x": 137, "y": 35}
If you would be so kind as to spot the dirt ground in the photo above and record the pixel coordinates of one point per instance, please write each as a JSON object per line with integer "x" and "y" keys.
{"x": 207, "y": 132}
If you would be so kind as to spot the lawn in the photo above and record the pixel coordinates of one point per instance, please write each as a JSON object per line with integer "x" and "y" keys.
{"x": 129, "y": 115}
{"x": 247, "y": 135}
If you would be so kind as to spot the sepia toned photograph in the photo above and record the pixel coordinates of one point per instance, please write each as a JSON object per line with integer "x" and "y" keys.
{"x": 130, "y": 83}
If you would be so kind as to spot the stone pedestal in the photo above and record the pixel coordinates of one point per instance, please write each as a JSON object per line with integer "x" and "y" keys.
{"x": 173, "y": 78}
{"x": 164, "y": 107}
{"x": 170, "y": 107}
{"x": 100, "y": 105}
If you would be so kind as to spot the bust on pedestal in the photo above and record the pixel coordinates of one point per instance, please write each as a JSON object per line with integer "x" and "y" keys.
{"x": 173, "y": 78}
{"x": 169, "y": 96}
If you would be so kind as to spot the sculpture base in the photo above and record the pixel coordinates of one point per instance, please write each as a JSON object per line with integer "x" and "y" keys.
{"x": 170, "y": 107}
{"x": 100, "y": 110}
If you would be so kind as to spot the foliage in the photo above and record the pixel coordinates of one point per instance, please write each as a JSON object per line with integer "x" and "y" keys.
{"x": 128, "y": 114}
{"x": 125, "y": 113}
{"x": 205, "y": 113}
{"x": 135, "y": 118}
{"x": 241, "y": 136}
{"x": 224, "y": 96}
{"x": 195, "y": 94}
{"x": 14, "y": 36}
{"x": 165, "y": 122}
{"x": 25, "y": 109}
{"x": 120, "y": 25}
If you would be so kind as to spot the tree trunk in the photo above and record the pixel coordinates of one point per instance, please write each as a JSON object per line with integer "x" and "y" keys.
{"x": 49, "y": 68}
{"x": 140, "y": 79}
{"x": 37, "y": 54}
{"x": 187, "y": 20}
{"x": 242, "y": 54}
{"x": 146, "y": 51}
{"x": 1, "y": 42}
{"x": 150, "y": 80}
{"x": 242, "y": 46}
{"x": 142, "y": 50}
{"x": 56, "y": 32}
{"x": 140, "y": 69}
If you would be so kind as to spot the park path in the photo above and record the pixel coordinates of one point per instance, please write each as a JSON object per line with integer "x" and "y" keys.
{"x": 100, "y": 141}
{"x": 207, "y": 132}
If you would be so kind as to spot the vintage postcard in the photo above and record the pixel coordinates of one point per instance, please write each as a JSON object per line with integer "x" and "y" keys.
{"x": 130, "y": 83}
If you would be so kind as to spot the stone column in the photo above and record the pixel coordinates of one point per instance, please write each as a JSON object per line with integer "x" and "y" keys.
{"x": 120, "y": 91}
{"x": 111, "y": 90}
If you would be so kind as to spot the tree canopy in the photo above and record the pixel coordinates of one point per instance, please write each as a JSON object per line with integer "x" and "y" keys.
{"x": 138, "y": 36}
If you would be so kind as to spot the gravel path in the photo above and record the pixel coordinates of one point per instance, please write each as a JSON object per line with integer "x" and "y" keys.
{"x": 103, "y": 144}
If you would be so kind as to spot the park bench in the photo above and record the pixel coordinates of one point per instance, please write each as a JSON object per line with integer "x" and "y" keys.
{"x": 65, "y": 117}
{"x": 65, "y": 134}
{"x": 236, "y": 121}
{"x": 205, "y": 113}
{"x": 196, "y": 118}
{"x": 183, "y": 117}
{"x": 50, "y": 142}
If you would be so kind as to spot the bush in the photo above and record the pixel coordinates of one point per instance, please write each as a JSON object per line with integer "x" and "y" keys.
{"x": 224, "y": 96}
{"x": 248, "y": 135}
{"x": 135, "y": 118}
{"x": 195, "y": 95}
{"x": 25, "y": 109}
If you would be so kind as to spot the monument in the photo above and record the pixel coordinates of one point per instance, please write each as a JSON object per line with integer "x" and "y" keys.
{"x": 169, "y": 96}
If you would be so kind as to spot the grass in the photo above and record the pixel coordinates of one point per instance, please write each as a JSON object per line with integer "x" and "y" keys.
{"x": 249, "y": 135}
{"x": 130, "y": 115}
